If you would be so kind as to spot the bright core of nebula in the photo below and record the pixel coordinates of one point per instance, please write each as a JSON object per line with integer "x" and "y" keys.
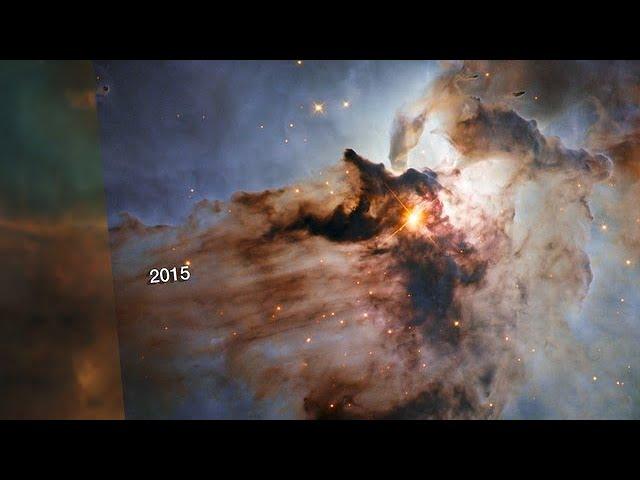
{"x": 363, "y": 292}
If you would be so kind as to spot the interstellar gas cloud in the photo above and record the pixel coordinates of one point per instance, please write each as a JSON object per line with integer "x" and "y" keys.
{"x": 446, "y": 283}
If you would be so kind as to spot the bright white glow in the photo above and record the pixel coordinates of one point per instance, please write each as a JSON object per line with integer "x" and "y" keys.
{"x": 414, "y": 218}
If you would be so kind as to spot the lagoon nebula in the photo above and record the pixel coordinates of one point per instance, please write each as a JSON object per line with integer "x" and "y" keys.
{"x": 368, "y": 292}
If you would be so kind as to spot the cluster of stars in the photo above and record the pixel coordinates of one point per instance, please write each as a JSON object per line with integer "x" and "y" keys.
{"x": 317, "y": 109}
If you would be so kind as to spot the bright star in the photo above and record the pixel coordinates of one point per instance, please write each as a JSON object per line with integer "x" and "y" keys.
{"x": 413, "y": 220}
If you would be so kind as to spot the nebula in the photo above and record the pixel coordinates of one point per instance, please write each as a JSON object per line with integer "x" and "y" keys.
{"x": 595, "y": 105}
{"x": 362, "y": 293}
